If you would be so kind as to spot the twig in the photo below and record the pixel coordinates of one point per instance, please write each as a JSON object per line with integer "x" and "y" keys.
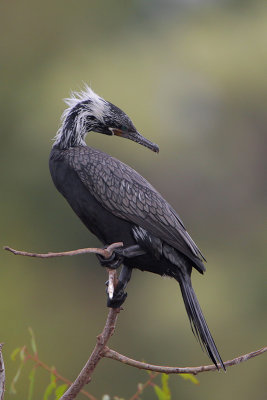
{"x": 103, "y": 252}
{"x": 52, "y": 370}
{"x": 2, "y": 374}
{"x": 102, "y": 351}
{"x": 143, "y": 386}
{"x": 109, "y": 353}
{"x": 106, "y": 253}
{"x": 86, "y": 373}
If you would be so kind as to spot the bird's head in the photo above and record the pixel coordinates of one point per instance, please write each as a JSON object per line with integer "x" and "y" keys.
{"x": 88, "y": 112}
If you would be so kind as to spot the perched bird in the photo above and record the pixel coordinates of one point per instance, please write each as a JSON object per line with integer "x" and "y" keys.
{"x": 118, "y": 205}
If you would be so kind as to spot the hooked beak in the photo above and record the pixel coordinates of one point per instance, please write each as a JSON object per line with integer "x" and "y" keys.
{"x": 135, "y": 137}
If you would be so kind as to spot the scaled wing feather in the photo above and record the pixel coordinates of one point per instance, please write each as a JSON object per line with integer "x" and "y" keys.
{"x": 125, "y": 193}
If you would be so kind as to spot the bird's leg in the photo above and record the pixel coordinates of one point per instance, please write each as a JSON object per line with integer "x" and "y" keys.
{"x": 118, "y": 255}
{"x": 120, "y": 295}
{"x": 130, "y": 251}
{"x": 113, "y": 262}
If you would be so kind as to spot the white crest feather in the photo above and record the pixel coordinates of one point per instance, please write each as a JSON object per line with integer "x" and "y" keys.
{"x": 98, "y": 104}
{"x": 96, "y": 107}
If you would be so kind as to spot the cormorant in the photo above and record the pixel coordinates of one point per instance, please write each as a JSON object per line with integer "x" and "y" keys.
{"x": 118, "y": 205}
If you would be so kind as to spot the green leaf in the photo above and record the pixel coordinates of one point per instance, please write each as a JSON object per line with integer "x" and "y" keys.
{"x": 15, "y": 353}
{"x": 33, "y": 342}
{"x": 60, "y": 390}
{"x": 51, "y": 387}
{"x": 31, "y": 386}
{"x": 53, "y": 377}
{"x": 164, "y": 392}
{"x": 15, "y": 379}
{"x": 22, "y": 353}
{"x": 190, "y": 378}
{"x": 165, "y": 385}
{"x": 160, "y": 393}
{"x": 49, "y": 390}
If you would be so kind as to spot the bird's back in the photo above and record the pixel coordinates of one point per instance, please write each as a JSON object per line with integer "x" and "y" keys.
{"x": 123, "y": 193}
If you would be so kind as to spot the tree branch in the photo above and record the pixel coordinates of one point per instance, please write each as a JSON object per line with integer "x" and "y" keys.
{"x": 103, "y": 252}
{"x": 86, "y": 373}
{"x": 106, "y": 253}
{"x": 2, "y": 374}
{"x": 101, "y": 350}
{"x": 109, "y": 353}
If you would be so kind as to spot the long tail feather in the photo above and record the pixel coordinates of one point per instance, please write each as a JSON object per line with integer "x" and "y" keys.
{"x": 197, "y": 320}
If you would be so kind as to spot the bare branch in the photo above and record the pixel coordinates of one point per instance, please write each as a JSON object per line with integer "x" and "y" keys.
{"x": 109, "y": 353}
{"x": 2, "y": 374}
{"x": 103, "y": 252}
{"x": 86, "y": 373}
{"x": 101, "y": 350}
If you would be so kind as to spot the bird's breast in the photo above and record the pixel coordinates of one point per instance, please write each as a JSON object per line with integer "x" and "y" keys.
{"x": 101, "y": 222}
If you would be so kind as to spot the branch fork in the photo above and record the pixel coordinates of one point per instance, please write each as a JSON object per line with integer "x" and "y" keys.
{"x": 101, "y": 350}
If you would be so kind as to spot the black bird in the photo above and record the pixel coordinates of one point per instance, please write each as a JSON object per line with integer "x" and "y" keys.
{"x": 119, "y": 205}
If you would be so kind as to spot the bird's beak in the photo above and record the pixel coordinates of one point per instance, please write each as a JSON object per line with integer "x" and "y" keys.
{"x": 136, "y": 137}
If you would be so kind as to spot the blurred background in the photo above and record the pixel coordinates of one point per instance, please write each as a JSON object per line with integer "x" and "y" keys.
{"x": 192, "y": 75}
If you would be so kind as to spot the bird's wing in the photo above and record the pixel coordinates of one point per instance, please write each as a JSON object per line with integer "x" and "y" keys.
{"x": 126, "y": 194}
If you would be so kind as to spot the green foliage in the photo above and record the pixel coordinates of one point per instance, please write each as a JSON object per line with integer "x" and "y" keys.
{"x": 163, "y": 392}
{"x": 51, "y": 387}
{"x": 33, "y": 342}
{"x": 190, "y": 377}
{"x": 15, "y": 353}
{"x": 60, "y": 390}
{"x": 15, "y": 379}
{"x": 22, "y": 353}
{"x": 54, "y": 390}
{"x": 31, "y": 385}
{"x": 165, "y": 384}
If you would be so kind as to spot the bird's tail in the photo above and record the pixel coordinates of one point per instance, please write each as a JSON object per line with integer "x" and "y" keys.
{"x": 197, "y": 320}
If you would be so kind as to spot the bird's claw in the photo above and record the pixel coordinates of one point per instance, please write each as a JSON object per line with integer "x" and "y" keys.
{"x": 113, "y": 262}
{"x": 119, "y": 295}
{"x": 117, "y": 300}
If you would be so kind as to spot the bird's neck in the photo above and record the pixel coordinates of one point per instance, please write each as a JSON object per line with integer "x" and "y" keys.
{"x": 74, "y": 128}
